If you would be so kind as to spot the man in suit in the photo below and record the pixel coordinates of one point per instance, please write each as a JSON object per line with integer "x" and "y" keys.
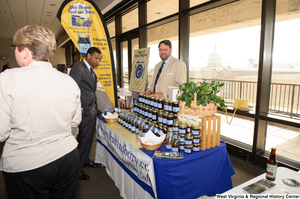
{"x": 6, "y": 66}
{"x": 169, "y": 72}
{"x": 86, "y": 79}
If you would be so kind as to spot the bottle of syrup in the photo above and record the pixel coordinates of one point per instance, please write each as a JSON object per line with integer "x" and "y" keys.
{"x": 271, "y": 166}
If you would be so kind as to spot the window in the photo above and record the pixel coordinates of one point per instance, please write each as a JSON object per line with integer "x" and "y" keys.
{"x": 130, "y": 20}
{"x": 157, "y": 9}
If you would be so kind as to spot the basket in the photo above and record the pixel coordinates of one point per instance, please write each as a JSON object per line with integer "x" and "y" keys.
{"x": 199, "y": 111}
{"x": 110, "y": 120}
{"x": 151, "y": 147}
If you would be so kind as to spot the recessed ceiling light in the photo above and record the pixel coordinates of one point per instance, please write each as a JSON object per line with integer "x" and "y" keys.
{"x": 52, "y": 4}
{"x": 158, "y": 13}
{"x": 50, "y": 12}
{"x": 2, "y": 11}
{"x": 46, "y": 23}
{"x": 48, "y": 15}
{"x": 7, "y": 20}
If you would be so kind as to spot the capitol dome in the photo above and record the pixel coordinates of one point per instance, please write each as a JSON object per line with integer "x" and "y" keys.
{"x": 215, "y": 59}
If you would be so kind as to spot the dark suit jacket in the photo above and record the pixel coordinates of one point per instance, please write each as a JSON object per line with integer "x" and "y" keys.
{"x": 83, "y": 77}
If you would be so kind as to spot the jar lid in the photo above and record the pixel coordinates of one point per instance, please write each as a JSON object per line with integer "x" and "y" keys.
{"x": 182, "y": 126}
{"x": 196, "y": 127}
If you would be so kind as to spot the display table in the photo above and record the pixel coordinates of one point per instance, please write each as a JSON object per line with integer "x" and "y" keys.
{"x": 200, "y": 173}
{"x": 282, "y": 173}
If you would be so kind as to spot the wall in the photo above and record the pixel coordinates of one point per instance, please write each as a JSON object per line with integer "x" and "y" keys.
{"x": 8, "y": 52}
{"x": 59, "y": 57}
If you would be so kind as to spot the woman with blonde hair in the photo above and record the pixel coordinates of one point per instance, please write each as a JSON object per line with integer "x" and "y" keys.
{"x": 38, "y": 107}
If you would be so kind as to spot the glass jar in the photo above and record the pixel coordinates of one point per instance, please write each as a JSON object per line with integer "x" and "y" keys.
{"x": 196, "y": 147}
{"x": 195, "y": 130}
{"x": 150, "y": 113}
{"x": 160, "y": 116}
{"x": 170, "y": 107}
{"x": 175, "y": 117}
{"x": 154, "y": 115}
{"x": 196, "y": 139}
{"x": 182, "y": 129}
{"x": 175, "y": 126}
{"x": 181, "y": 146}
{"x": 165, "y": 117}
{"x": 175, "y": 144}
{"x": 188, "y": 149}
{"x": 155, "y": 102}
{"x": 188, "y": 139}
{"x": 169, "y": 139}
{"x": 141, "y": 98}
{"x": 152, "y": 101}
{"x": 175, "y": 107}
{"x": 166, "y": 105}
{"x": 160, "y": 103}
{"x": 146, "y": 112}
{"x": 170, "y": 119}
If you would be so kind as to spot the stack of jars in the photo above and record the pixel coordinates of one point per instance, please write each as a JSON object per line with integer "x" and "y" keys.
{"x": 160, "y": 116}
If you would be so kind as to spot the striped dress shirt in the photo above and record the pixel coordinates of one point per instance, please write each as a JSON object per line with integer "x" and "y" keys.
{"x": 38, "y": 107}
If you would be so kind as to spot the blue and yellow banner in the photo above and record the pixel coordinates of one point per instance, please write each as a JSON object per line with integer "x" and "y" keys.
{"x": 139, "y": 70}
{"x": 85, "y": 25}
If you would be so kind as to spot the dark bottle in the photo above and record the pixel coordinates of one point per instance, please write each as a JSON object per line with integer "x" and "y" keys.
{"x": 271, "y": 166}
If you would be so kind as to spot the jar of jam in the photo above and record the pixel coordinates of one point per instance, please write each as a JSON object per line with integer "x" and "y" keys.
{"x": 170, "y": 119}
{"x": 160, "y": 116}
{"x": 160, "y": 103}
{"x": 141, "y": 98}
{"x": 135, "y": 107}
{"x": 155, "y": 102}
{"x": 175, "y": 135}
{"x": 165, "y": 117}
{"x": 182, "y": 129}
{"x": 188, "y": 148}
{"x": 170, "y": 107}
{"x": 146, "y": 112}
{"x": 195, "y": 130}
{"x": 189, "y": 127}
{"x": 141, "y": 111}
{"x": 175, "y": 107}
{"x": 188, "y": 139}
{"x": 181, "y": 138}
{"x": 181, "y": 146}
{"x": 150, "y": 113}
{"x": 175, "y": 126}
{"x": 196, "y": 139}
{"x": 154, "y": 115}
{"x": 175, "y": 117}
{"x": 152, "y": 101}
{"x": 175, "y": 144}
{"x": 196, "y": 147}
{"x": 160, "y": 130}
{"x": 169, "y": 139}
{"x": 166, "y": 105}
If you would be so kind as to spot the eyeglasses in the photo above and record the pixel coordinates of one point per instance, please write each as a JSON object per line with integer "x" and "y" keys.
{"x": 163, "y": 50}
{"x": 13, "y": 47}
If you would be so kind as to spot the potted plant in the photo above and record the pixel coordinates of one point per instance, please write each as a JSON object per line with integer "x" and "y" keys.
{"x": 205, "y": 93}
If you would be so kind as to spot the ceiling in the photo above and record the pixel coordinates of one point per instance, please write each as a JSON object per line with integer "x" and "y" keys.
{"x": 15, "y": 14}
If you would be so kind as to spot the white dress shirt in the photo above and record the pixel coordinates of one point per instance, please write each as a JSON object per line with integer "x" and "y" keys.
{"x": 38, "y": 107}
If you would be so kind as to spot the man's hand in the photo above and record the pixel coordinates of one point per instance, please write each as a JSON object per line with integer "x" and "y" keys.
{"x": 146, "y": 92}
{"x": 157, "y": 95}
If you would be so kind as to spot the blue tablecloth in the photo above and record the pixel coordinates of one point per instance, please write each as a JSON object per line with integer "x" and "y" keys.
{"x": 200, "y": 173}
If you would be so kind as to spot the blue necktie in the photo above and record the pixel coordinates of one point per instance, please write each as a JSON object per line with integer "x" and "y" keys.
{"x": 94, "y": 79}
{"x": 157, "y": 76}
{"x": 92, "y": 73}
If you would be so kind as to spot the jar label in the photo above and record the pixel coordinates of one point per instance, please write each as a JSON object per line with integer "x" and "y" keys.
{"x": 175, "y": 109}
{"x": 155, "y": 104}
{"x": 175, "y": 128}
{"x": 160, "y": 119}
{"x": 196, "y": 148}
{"x": 181, "y": 147}
{"x": 195, "y": 132}
{"x": 170, "y": 122}
{"x": 271, "y": 170}
{"x": 181, "y": 139}
{"x": 188, "y": 150}
{"x": 154, "y": 117}
{"x": 136, "y": 130}
{"x": 196, "y": 141}
{"x": 168, "y": 146}
{"x": 152, "y": 103}
{"x": 129, "y": 126}
{"x": 146, "y": 114}
{"x": 166, "y": 107}
{"x": 140, "y": 99}
{"x": 150, "y": 115}
{"x": 175, "y": 149}
{"x": 188, "y": 142}
{"x": 170, "y": 108}
{"x": 133, "y": 128}
{"x": 164, "y": 121}
{"x": 182, "y": 131}
{"x": 160, "y": 132}
{"x": 159, "y": 105}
